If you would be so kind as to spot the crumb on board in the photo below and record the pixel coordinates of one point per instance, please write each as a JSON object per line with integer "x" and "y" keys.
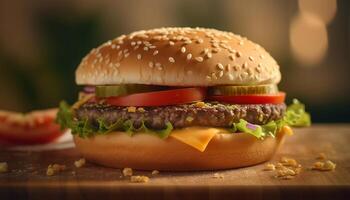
{"x": 54, "y": 168}
{"x": 155, "y": 172}
{"x": 80, "y": 163}
{"x": 127, "y": 171}
{"x": 269, "y": 167}
{"x": 324, "y": 166}
{"x": 217, "y": 175}
{"x": 3, "y": 167}
{"x": 288, "y": 162}
{"x": 285, "y": 169}
{"x": 139, "y": 179}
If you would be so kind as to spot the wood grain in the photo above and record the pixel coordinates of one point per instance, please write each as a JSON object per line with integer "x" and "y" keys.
{"x": 27, "y": 176}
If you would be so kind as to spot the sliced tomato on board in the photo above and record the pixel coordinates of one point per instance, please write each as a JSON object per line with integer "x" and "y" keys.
{"x": 251, "y": 99}
{"x": 37, "y": 127}
{"x": 159, "y": 98}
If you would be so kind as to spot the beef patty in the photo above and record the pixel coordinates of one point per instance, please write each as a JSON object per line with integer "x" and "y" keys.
{"x": 196, "y": 114}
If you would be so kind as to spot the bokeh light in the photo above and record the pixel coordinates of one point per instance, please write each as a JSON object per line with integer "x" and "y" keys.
{"x": 308, "y": 39}
{"x": 324, "y": 9}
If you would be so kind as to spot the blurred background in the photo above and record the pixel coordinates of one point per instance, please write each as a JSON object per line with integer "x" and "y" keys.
{"x": 43, "y": 41}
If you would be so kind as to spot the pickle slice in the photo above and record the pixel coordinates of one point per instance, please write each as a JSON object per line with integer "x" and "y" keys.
{"x": 121, "y": 90}
{"x": 243, "y": 90}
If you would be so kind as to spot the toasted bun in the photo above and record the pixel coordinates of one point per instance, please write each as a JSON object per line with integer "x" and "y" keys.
{"x": 178, "y": 57}
{"x": 147, "y": 152}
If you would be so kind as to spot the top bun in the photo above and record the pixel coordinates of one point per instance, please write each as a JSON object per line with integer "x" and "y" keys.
{"x": 179, "y": 57}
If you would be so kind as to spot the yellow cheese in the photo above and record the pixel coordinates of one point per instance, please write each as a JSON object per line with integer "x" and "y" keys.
{"x": 197, "y": 137}
{"x": 286, "y": 129}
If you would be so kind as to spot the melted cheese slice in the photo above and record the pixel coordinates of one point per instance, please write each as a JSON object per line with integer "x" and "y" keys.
{"x": 196, "y": 137}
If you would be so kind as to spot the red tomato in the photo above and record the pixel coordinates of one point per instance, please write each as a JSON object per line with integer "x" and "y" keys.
{"x": 37, "y": 127}
{"x": 251, "y": 99}
{"x": 159, "y": 98}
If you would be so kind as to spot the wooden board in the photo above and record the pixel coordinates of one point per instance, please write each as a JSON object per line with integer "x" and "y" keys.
{"x": 27, "y": 177}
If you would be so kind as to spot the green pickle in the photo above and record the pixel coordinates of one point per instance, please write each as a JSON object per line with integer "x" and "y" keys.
{"x": 121, "y": 90}
{"x": 243, "y": 90}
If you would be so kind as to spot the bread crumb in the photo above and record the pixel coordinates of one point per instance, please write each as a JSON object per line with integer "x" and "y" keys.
{"x": 324, "y": 166}
{"x": 127, "y": 171}
{"x": 289, "y": 162}
{"x": 270, "y": 167}
{"x": 217, "y": 175}
{"x": 139, "y": 179}
{"x": 3, "y": 167}
{"x": 80, "y": 163}
{"x": 321, "y": 156}
{"x": 155, "y": 172}
{"x": 131, "y": 109}
{"x": 55, "y": 168}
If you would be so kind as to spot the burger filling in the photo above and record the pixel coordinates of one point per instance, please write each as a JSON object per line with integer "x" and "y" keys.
{"x": 256, "y": 110}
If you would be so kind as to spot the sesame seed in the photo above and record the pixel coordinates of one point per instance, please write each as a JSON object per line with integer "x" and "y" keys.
{"x": 208, "y": 78}
{"x": 199, "y": 41}
{"x": 238, "y": 54}
{"x": 133, "y": 43}
{"x": 259, "y": 65}
{"x": 209, "y": 55}
{"x": 171, "y": 59}
{"x": 244, "y": 65}
{"x": 235, "y": 68}
{"x": 118, "y": 46}
{"x": 232, "y": 57}
{"x": 228, "y": 67}
{"x": 171, "y": 43}
{"x": 188, "y": 42}
{"x": 220, "y": 66}
{"x": 199, "y": 59}
{"x": 139, "y": 56}
{"x": 155, "y": 52}
{"x": 241, "y": 42}
{"x": 126, "y": 55}
{"x": 139, "y": 42}
{"x": 136, "y": 47}
{"x": 152, "y": 47}
{"x": 230, "y": 76}
{"x": 145, "y": 48}
{"x": 251, "y": 58}
{"x": 125, "y": 50}
{"x": 205, "y": 51}
{"x": 113, "y": 46}
{"x": 215, "y": 50}
{"x": 183, "y": 49}
{"x": 189, "y": 56}
{"x": 150, "y": 64}
{"x": 261, "y": 56}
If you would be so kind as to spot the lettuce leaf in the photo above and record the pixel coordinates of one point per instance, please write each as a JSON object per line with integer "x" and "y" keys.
{"x": 295, "y": 116}
{"x": 84, "y": 128}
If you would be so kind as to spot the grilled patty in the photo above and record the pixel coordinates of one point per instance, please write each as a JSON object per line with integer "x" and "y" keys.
{"x": 196, "y": 114}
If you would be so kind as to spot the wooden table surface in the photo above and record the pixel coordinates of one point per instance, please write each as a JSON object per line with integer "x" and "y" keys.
{"x": 27, "y": 176}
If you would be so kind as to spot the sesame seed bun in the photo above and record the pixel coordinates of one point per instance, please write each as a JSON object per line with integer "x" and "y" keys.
{"x": 147, "y": 152}
{"x": 178, "y": 57}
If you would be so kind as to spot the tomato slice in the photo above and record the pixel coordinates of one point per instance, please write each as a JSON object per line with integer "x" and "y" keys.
{"x": 251, "y": 99}
{"x": 159, "y": 98}
{"x": 37, "y": 127}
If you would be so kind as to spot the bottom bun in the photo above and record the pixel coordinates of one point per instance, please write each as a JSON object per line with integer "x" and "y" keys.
{"x": 148, "y": 152}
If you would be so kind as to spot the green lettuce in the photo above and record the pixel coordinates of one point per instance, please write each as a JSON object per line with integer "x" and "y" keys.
{"x": 295, "y": 116}
{"x": 83, "y": 128}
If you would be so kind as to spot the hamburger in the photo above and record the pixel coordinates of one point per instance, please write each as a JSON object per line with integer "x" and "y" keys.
{"x": 179, "y": 99}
